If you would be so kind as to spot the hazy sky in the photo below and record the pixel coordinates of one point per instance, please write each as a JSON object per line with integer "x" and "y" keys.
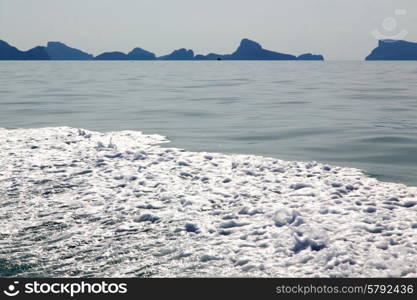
{"x": 338, "y": 29}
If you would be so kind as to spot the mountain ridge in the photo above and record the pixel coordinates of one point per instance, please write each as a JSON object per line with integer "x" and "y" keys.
{"x": 247, "y": 50}
{"x": 8, "y": 52}
{"x": 60, "y": 51}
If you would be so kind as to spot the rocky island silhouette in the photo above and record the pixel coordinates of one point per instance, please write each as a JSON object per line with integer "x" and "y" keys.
{"x": 247, "y": 50}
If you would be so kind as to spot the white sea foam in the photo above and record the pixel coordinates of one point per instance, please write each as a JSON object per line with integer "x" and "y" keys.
{"x": 80, "y": 203}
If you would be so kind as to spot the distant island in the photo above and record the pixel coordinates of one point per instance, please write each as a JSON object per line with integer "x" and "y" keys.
{"x": 250, "y": 50}
{"x": 8, "y": 52}
{"x": 394, "y": 50}
{"x": 247, "y": 50}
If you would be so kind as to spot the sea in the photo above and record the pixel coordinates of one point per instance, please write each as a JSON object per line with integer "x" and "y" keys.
{"x": 345, "y": 113}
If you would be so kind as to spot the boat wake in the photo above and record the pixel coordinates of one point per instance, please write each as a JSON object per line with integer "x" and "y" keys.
{"x": 80, "y": 203}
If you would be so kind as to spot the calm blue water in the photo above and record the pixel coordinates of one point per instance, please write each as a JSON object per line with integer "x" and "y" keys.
{"x": 360, "y": 114}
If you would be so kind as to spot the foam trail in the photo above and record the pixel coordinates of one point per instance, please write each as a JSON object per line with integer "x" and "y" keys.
{"x": 80, "y": 203}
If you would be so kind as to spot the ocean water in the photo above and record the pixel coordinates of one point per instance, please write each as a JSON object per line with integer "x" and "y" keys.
{"x": 356, "y": 114}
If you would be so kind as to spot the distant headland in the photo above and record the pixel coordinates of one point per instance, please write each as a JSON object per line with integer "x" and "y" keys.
{"x": 247, "y": 50}
{"x": 394, "y": 50}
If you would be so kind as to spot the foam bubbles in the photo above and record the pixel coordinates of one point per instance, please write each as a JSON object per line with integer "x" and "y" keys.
{"x": 81, "y": 203}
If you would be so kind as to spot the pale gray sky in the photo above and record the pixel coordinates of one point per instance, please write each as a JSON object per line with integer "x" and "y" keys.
{"x": 338, "y": 29}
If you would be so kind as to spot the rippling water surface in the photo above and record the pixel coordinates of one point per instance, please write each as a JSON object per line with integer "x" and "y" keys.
{"x": 360, "y": 114}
